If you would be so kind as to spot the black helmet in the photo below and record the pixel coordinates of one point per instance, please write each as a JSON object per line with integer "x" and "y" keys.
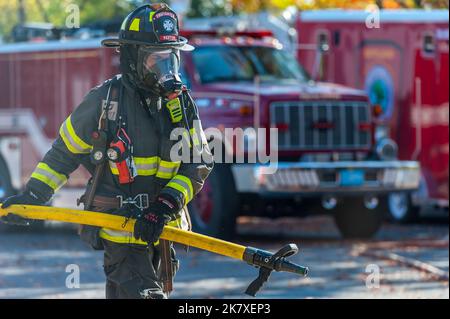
{"x": 149, "y": 44}
{"x": 154, "y": 25}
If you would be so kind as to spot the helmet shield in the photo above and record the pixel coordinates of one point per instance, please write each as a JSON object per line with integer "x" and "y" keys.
{"x": 159, "y": 67}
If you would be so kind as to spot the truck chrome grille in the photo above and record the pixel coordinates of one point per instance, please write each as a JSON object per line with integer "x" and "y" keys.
{"x": 321, "y": 125}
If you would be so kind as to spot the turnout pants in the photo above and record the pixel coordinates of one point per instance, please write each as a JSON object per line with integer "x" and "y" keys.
{"x": 133, "y": 271}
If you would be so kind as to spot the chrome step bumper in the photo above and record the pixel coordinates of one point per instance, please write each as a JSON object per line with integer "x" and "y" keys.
{"x": 327, "y": 177}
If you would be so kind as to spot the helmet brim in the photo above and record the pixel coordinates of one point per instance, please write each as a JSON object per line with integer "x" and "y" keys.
{"x": 116, "y": 42}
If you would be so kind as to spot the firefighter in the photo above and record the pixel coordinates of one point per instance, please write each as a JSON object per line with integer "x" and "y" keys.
{"x": 121, "y": 133}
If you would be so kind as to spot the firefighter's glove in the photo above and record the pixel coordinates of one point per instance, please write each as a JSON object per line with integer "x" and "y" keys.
{"x": 25, "y": 198}
{"x": 150, "y": 224}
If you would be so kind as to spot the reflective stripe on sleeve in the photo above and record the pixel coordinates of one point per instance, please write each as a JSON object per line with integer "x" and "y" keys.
{"x": 72, "y": 141}
{"x": 184, "y": 185}
{"x": 146, "y": 166}
{"x": 49, "y": 176}
{"x": 167, "y": 170}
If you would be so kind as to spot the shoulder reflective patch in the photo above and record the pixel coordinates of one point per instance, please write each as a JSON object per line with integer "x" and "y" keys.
{"x": 135, "y": 24}
{"x": 72, "y": 141}
{"x": 174, "y": 107}
{"x": 151, "y": 16}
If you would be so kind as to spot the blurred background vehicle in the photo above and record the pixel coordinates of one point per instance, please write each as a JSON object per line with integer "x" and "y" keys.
{"x": 34, "y": 32}
{"x": 403, "y": 67}
{"x": 327, "y": 161}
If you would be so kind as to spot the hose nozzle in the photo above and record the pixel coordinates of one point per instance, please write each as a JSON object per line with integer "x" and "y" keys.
{"x": 268, "y": 262}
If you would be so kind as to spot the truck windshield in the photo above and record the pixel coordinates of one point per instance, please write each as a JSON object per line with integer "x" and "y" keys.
{"x": 231, "y": 64}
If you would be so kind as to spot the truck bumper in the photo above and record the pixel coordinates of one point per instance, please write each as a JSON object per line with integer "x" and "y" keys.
{"x": 320, "y": 178}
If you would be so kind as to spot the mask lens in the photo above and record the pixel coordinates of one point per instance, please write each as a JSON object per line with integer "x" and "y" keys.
{"x": 162, "y": 64}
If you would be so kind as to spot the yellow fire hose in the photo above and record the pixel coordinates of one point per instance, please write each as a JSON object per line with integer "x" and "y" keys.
{"x": 266, "y": 261}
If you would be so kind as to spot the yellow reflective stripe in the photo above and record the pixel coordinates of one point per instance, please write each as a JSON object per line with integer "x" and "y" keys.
{"x": 149, "y": 166}
{"x": 123, "y": 237}
{"x": 146, "y": 166}
{"x": 44, "y": 179}
{"x": 194, "y": 136}
{"x": 175, "y": 111}
{"x": 146, "y": 160}
{"x": 135, "y": 24}
{"x": 179, "y": 188}
{"x": 113, "y": 168}
{"x": 175, "y": 223}
{"x": 167, "y": 170}
{"x": 167, "y": 164}
{"x": 73, "y": 142}
{"x": 49, "y": 176}
{"x": 119, "y": 237}
{"x": 184, "y": 185}
{"x": 165, "y": 175}
{"x": 188, "y": 182}
{"x": 146, "y": 172}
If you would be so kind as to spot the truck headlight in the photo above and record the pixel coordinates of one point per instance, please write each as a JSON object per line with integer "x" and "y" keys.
{"x": 386, "y": 149}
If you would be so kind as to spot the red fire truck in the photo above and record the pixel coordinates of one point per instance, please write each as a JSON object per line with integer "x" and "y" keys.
{"x": 400, "y": 58}
{"x": 327, "y": 156}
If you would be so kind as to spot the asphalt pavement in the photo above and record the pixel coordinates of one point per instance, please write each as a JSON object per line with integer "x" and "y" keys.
{"x": 400, "y": 262}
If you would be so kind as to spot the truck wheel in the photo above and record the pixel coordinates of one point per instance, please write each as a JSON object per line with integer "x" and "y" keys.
{"x": 214, "y": 210}
{"x": 354, "y": 220}
{"x": 401, "y": 209}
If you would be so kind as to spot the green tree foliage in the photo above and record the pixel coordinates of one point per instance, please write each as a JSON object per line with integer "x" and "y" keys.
{"x": 209, "y": 8}
{"x": 54, "y": 11}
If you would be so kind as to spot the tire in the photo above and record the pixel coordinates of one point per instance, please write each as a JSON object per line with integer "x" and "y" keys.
{"x": 214, "y": 210}
{"x": 354, "y": 220}
{"x": 400, "y": 209}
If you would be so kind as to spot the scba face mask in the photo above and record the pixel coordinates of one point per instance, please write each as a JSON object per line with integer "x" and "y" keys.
{"x": 160, "y": 67}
